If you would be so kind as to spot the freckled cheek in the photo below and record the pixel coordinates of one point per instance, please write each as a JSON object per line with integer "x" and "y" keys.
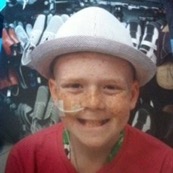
{"x": 68, "y": 120}
{"x": 118, "y": 107}
{"x": 69, "y": 102}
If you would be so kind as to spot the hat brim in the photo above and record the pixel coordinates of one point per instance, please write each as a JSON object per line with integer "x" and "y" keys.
{"x": 43, "y": 55}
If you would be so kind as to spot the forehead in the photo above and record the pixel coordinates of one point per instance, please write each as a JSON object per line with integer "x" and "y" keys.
{"x": 91, "y": 63}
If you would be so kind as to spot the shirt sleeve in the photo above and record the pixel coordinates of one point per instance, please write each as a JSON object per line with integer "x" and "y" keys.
{"x": 13, "y": 163}
{"x": 167, "y": 166}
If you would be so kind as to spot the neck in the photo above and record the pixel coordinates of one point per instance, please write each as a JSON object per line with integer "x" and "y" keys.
{"x": 83, "y": 157}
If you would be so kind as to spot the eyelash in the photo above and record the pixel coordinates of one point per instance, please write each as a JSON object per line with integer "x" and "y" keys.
{"x": 77, "y": 87}
{"x": 110, "y": 87}
{"x": 72, "y": 86}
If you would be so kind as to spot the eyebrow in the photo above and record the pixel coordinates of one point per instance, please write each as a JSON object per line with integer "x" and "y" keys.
{"x": 81, "y": 80}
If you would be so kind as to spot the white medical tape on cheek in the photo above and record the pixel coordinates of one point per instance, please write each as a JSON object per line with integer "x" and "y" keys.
{"x": 74, "y": 108}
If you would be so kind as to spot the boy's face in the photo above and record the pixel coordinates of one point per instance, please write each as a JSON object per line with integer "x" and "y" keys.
{"x": 103, "y": 87}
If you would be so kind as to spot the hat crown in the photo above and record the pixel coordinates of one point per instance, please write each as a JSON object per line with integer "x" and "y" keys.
{"x": 92, "y": 29}
{"x": 95, "y": 22}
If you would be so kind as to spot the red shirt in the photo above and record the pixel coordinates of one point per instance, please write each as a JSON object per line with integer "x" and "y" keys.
{"x": 43, "y": 152}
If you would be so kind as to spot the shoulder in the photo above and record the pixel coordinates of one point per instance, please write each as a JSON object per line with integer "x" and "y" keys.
{"x": 143, "y": 153}
{"x": 146, "y": 141}
{"x": 145, "y": 149}
{"x": 40, "y": 138}
{"x": 36, "y": 150}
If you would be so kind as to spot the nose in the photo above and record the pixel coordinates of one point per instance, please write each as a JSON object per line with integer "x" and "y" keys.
{"x": 93, "y": 99}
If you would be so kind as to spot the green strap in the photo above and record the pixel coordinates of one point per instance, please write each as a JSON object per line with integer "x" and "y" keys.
{"x": 66, "y": 135}
{"x": 113, "y": 152}
{"x": 116, "y": 147}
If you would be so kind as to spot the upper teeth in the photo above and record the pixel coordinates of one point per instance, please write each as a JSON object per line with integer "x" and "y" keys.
{"x": 93, "y": 123}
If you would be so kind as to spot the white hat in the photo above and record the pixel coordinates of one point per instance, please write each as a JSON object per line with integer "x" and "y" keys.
{"x": 92, "y": 29}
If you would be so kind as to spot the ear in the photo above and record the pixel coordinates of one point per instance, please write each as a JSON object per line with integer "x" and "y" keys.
{"x": 135, "y": 88}
{"x": 53, "y": 89}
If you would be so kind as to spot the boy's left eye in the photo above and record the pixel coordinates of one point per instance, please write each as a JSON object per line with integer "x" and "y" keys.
{"x": 110, "y": 87}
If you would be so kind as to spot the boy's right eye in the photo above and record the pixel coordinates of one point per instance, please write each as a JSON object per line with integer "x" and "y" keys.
{"x": 73, "y": 87}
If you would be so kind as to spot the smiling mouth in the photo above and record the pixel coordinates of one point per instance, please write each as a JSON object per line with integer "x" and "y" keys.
{"x": 93, "y": 123}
